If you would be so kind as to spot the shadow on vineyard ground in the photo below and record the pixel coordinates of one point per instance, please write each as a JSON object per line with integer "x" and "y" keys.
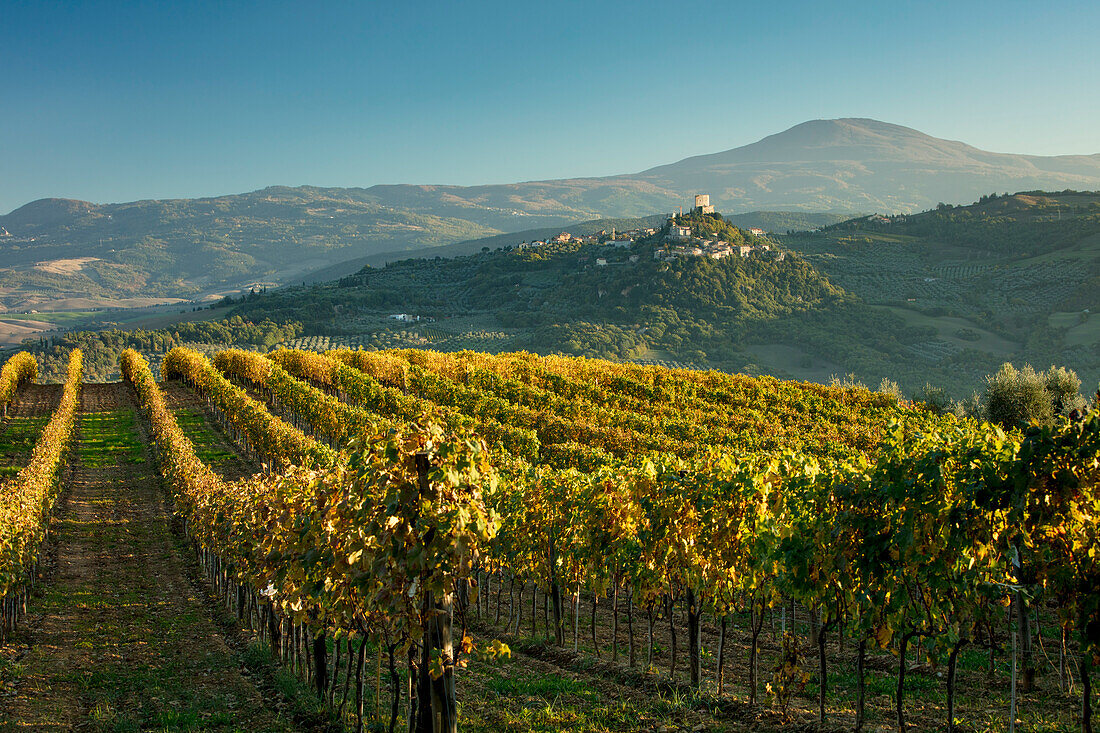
{"x": 212, "y": 446}
{"x": 117, "y": 638}
{"x": 539, "y": 691}
{"x": 982, "y": 700}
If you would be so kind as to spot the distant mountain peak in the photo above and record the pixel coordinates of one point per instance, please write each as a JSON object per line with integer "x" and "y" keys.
{"x": 844, "y": 139}
{"x": 56, "y": 204}
{"x": 861, "y": 164}
{"x": 851, "y": 126}
{"x": 47, "y": 212}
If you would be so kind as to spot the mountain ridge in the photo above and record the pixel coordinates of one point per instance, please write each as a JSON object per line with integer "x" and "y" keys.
{"x": 844, "y": 140}
{"x": 855, "y": 129}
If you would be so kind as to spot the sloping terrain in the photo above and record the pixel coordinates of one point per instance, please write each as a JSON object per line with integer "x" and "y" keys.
{"x": 1009, "y": 278}
{"x": 772, "y": 221}
{"x": 60, "y": 249}
{"x": 866, "y": 165}
{"x": 945, "y": 296}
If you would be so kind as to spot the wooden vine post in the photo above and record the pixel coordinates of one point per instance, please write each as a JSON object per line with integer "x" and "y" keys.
{"x": 437, "y": 709}
{"x": 693, "y": 615}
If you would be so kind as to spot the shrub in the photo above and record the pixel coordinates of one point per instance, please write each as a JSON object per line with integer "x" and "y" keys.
{"x": 1064, "y": 387}
{"x": 938, "y": 400}
{"x": 1014, "y": 396}
{"x": 968, "y": 334}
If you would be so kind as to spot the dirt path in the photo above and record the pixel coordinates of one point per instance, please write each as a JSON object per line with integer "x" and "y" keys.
{"x": 118, "y": 638}
{"x": 35, "y": 400}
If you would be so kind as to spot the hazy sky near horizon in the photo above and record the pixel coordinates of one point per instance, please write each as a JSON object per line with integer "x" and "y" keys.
{"x": 117, "y": 101}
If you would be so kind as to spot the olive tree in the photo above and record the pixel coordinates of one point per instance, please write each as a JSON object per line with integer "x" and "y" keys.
{"x": 1016, "y": 396}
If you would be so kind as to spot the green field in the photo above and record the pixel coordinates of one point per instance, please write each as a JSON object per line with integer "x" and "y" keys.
{"x": 60, "y": 318}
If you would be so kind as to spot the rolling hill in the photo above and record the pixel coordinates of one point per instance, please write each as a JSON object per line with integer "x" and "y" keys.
{"x": 944, "y": 296}
{"x": 772, "y": 221}
{"x": 59, "y": 250}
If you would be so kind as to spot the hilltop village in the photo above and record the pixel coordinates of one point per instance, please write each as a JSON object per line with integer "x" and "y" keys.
{"x": 701, "y": 232}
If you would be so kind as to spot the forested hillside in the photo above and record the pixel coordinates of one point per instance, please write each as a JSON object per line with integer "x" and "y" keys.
{"x": 556, "y": 289}
{"x": 102, "y": 349}
{"x": 942, "y": 297}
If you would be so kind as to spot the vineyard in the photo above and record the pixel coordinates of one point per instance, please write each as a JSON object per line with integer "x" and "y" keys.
{"x": 438, "y": 339}
{"x": 890, "y": 273}
{"x": 430, "y": 540}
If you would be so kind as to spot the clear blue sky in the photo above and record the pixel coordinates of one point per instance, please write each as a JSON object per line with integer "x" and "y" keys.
{"x": 117, "y": 101}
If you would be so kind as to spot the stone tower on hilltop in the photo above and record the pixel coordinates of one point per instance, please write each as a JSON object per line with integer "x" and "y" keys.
{"x": 702, "y": 203}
